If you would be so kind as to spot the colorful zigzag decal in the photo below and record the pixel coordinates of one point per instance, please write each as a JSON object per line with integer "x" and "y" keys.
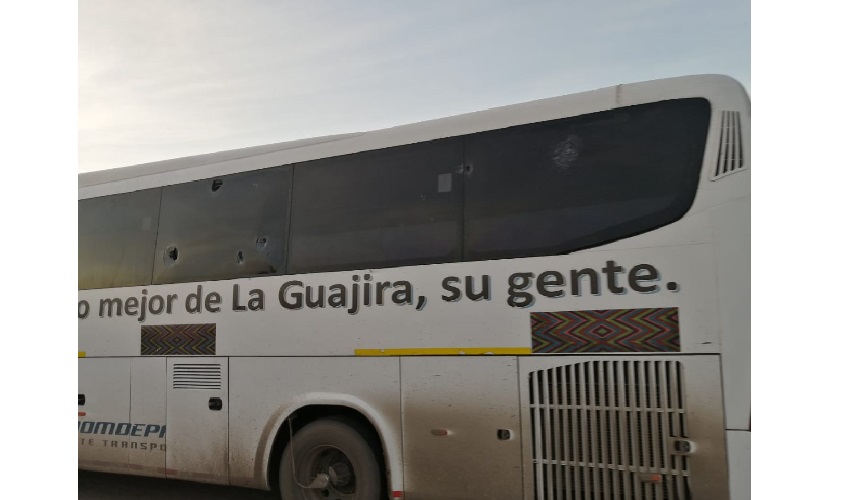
{"x": 187, "y": 340}
{"x": 608, "y": 330}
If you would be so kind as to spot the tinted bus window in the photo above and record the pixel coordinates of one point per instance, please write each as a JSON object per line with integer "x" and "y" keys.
{"x": 554, "y": 187}
{"x": 232, "y": 226}
{"x": 392, "y": 207}
{"x": 116, "y": 236}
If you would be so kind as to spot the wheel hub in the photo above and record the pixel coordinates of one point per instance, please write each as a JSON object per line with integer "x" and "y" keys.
{"x": 333, "y": 476}
{"x": 340, "y": 474}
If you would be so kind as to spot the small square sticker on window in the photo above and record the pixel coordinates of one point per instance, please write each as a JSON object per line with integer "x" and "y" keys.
{"x": 444, "y": 183}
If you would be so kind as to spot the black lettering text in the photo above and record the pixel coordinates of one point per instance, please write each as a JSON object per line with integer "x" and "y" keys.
{"x": 337, "y": 296}
{"x": 257, "y": 301}
{"x": 454, "y": 291}
{"x": 131, "y": 306}
{"x": 293, "y": 300}
{"x": 212, "y": 301}
{"x": 106, "y": 306}
{"x": 404, "y": 294}
{"x": 550, "y": 279}
{"x": 575, "y": 282}
{"x": 517, "y": 284}
{"x": 83, "y": 309}
{"x": 485, "y": 288}
{"x": 643, "y": 272}
{"x": 611, "y": 270}
{"x": 193, "y": 301}
{"x": 236, "y": 305}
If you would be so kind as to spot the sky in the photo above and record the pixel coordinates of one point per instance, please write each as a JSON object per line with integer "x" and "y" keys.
{"x": 164, "y": 79}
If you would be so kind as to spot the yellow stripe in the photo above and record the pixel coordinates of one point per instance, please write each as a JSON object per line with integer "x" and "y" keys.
{"x": 442, "y": 351}
{"x": 81, "y": 354}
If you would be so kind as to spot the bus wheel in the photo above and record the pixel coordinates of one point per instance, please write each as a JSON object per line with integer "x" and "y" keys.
{"x": 329, "y": 460}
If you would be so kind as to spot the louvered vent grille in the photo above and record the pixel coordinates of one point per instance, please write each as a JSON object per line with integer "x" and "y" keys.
{"x": 730, "y": 157}
{"x": 606, "y": 430}
{"x": 196, "y": 376}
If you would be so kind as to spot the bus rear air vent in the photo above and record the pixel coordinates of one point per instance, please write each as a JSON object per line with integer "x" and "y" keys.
{"x": 610, "y": 428}
{"x": 730, "y": 155}
{"x": 196, "y": 376}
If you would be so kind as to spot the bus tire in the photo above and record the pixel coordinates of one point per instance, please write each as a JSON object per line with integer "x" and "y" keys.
{"x": 337, "y": 449}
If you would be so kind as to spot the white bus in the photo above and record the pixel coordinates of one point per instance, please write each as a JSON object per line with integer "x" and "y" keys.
{"x": 548, "y": 300}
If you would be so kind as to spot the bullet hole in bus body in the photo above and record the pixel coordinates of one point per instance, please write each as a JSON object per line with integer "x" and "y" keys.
{"x": 240, "y": 259}
{"x": 170, "y": 256}
{"x": 216, "y": 185}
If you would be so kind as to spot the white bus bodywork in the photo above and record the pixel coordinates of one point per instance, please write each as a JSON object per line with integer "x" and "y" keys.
{"x": 446, "y": 384}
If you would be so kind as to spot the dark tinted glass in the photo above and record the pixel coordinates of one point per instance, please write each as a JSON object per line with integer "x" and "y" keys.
{"x": 115, "y": 239}
{"x": 559, "y": 186}
{"x": 232, "y": 226}
{"x": 392, "y": 207}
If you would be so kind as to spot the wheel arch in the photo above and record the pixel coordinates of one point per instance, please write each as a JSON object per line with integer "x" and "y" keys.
{"x": 313, "y": 406}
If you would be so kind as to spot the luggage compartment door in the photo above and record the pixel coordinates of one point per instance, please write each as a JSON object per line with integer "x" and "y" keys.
{"x": 461, "y": 425}
{"x": 103, "y": 422}
{"x": 197, "y": 417}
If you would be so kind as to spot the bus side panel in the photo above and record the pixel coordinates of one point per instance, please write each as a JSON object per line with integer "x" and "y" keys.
{"x": 739, "y": 464}
{"x": 732, "y": 229}
{"x": 147, "y": 408}
{"x": 266, "y": 390}
{"x": 104, "y": 420}
{"x": 461, "y": 427}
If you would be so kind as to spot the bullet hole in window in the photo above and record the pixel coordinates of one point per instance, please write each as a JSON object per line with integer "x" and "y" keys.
{"x": 261, "y": 242}
{"x": 170, "y": 256}
{"x": 567, "y": 152}
{"x": 240, "y": 259}
{"x": 216, "y": 184}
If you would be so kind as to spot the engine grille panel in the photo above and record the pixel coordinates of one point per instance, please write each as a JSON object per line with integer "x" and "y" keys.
{"x": 730, "y": 153}
{"x": 608, "y": 430}
{"x": 196, "y": 376}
